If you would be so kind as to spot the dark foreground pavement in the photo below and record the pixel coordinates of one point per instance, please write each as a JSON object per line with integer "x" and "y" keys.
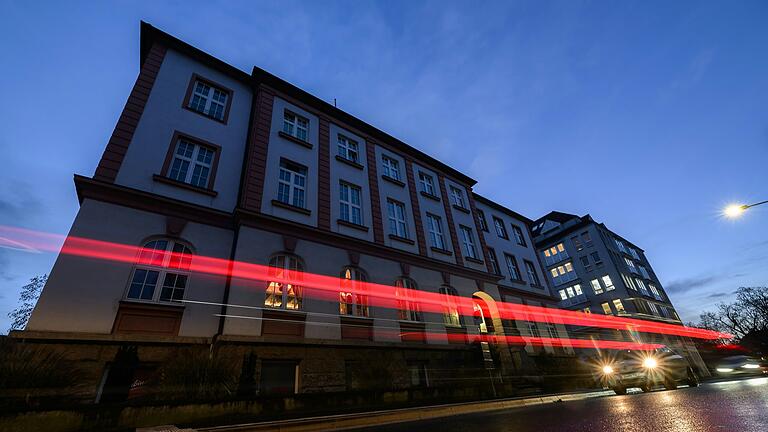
{"x": 718, "y": 406}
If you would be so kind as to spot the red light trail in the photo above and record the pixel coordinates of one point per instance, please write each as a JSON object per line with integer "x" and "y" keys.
{"x": 327, "y": 288}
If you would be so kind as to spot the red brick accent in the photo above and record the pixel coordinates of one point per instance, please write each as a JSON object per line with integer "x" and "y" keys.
{"x": 129, "y": 119}
{"x": 449, "y": 220}
{"x": 420, "y": 240}
{"x": 373, "y": 183}
{"x": 253, "y": 189}
{"x": 324, "y": 175}
{"x": 148, "y": 318}
{"x": 480, "y": 236}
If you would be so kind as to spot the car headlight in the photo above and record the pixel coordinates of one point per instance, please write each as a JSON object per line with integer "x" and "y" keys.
{"x": 650, "y": 363}
{"x": 724, "y": 370}
{"x": 751, "y": 366}
{"x": 607, "y": 369}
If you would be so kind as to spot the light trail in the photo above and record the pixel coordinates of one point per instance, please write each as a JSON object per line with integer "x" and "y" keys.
{"x": 327, "y": 288}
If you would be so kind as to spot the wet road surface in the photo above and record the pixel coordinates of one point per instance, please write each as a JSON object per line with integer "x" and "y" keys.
{"x": 738, "y": 406}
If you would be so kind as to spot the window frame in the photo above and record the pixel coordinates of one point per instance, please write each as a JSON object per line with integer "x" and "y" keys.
{"x": 347, "y": 145}
{"x": 457, "y": 196}
{"x": 427, "y": 180}
{"x": 389, "y": 165}
{"x": 519, "y": 235}
{"x": 292, "y": 186}
{"x": 451, "y": 315}
{"x": 295, "y": 125}
{"x": 297, "y": 288}
{"x": 498, "y": 224}
{"x": 480, "y": 215}
{"x": 511, "y": 259}
{"x": 214, "y": 85}
{"x": 530, "y": 269}
{"x": 494, "y": 261}
{"x": 393, "y": 204}
{"x": 435, "y": 231}
{"x": 468, "y": 241}
{"x": 163, "y": 270}
{"x": 360, "y": 307}
{"x": 408, "y": 308}
{"x": 171, "y": 155}
{"x": 349, "y": 203}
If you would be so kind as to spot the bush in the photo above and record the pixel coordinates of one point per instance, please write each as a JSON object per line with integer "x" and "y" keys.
{"x": 25, "y": 366}
{"x": 196, "y": 374}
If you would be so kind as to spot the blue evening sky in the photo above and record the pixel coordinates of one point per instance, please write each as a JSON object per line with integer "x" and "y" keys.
{"x": 650, "y": 116}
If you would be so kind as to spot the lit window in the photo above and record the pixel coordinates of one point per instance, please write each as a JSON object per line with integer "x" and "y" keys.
{"x": 577, "y": 289}
{"x": 596, "y": 287}
{"x": 208, "y": 99}
{"x": 192, "y": 163}
{"x": 282, "y": 290}
{"x": 408, "y": 307}
{"x": 390, "y": 167}
{"x": 295, "y": 125}
{"x": 427, "y": 183}
{"x": 451, "y": 315}
{"x": 608, "y": 283}
{"x": 619, "y": 307}
{"x": 518, "y": 235}
{"x": 347, "y": 148}
{"x": 514, "y": 271}
{"x": 435, "y": 228}
{"x": 563, "y": 273}
{"x": 533, "y": 277}
{"x": 468, "y": 241}
{"x": 555, "y": 254}
{"x": 494, "y": 261}
{"x": 292, "y": 183}
{"x": 501, "y": 230}
{"x": 457, "y": 197}
{"x": 350, "y": 209}
{"x": 606, "y": 308}
{"x": 161, "y": 260}
{"x": 396, "y": 214}
{"x": 352, "y": 298}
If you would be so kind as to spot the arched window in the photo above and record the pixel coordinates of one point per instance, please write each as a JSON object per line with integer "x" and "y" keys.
{"x": 280, "y": 294}
{"x": 351, "y": 299}
{"x": 407, "y": 304}
{"x": 161, "y": 261}
{"x": 451, "y": 315}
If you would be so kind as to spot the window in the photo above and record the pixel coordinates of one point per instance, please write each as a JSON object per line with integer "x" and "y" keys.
{"x": 468, "y": 241}
{"x": 292, "y": 184}
{"x": 457, "y": 197}
{"x": 494, "y": 261}
{"x": 435, "y": 228}
{"x": 283, "y": 292}
{"x": 427, "y": 183}
{"x": 585, "y": 263}
{"x": 641, "y": 285}
{"x": 352, "y": 298}
{"x": 396, "y": 214}
{"x": 571, "y": 292}
{"x": 347, "y": 148}
{"x": 295, "y": 125}
{"x": 608, "y": 283}
{"x": 533, "y": 329}
{"x": 390, "y": 167}
{"x": 518, "y": 235}
{"x": 349, "y": 203}
{"x": 514, "y": 270}
{"x": 585, "y": 237}
{"x": 501, "y": 230}
{"x": 555, "y": 254}
{"x": 451, "y": 315}
{"x": 577, "y": 243}
{"x": 596, "y": 287}
{"x": 551, "y": 331}
{"x": 654, "y": 310}
{"x": 533, "y": 278}
{"x": 563, "y": 273}
{"x": 630, "y": 265}
{"x": 209, "y": 99}
{"x": 655, "y": 291}
{"x": 596, "y": 258}
{"x": 192, "y": 163}
{"x": 619, "y": 307}
{"x": 417, "y": 371}
{"x": 481, "y": 220}
{"x": 620, "y": 245}
{"x": 644, "y": 271}
{"x": 606, "y": 308}
{"x": 161, "y": 260}
{"x": 634, "y": 254}
{"x": 408, "y": 308}
{"x": 628, "y": 282}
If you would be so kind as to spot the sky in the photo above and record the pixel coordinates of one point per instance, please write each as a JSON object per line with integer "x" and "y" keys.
{"x": 650, "y": 116}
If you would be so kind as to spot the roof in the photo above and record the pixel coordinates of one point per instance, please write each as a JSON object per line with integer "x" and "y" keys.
{"x": 150, "y": 35}
{"x": 501, "y": 208}
{"x": 557, "y": 217}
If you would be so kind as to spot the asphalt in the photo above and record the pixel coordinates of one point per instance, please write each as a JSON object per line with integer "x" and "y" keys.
{"x": 735, "y": 405}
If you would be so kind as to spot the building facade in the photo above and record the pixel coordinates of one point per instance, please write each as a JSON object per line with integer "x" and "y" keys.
{"x": 209, "y": 161}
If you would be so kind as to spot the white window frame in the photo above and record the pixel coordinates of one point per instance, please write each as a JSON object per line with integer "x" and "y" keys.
{"x": 353, "y": 303}
{"x": 407, "y": 304}
{"x": 284, "y": 267}
{"x": 519, "y": 236}
{"x": 619, "y": 306}
{"x": 348, "y": 148}
{"x": 457, "y": 196}
{"x": 435, "y": 229}
{"x": 530, "y": 269}
{"x": 398, "y": 225}
{"x": 295, "y": 125}
{"x": 513, "y": 267}
{"x": 295, "y": 182}
{"x": 349, "y": 210}
{"x": 390, "y": 167}
{"x": 501, "y": 229}
{"x": 208, "y": 99}
{"x": 192, "y": 166}
{"x": 451, "y": 316}
{"x": 427, "y": 183}
{"x": 607, "y": 282}
{"x": 468, "y": 241}
{"x": 168, "y": 263}
{"x": 596, "y": 286}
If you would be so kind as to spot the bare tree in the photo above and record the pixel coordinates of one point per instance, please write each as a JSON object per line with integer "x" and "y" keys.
{"x": 27, "y": 300}
{"x": 746, "y": 318}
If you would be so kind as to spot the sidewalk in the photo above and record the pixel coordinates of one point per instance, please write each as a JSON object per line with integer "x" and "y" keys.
{"x": 375, "y": 418}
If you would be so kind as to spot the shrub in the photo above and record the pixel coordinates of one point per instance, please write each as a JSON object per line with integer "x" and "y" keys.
{"x": 196, "y": 374}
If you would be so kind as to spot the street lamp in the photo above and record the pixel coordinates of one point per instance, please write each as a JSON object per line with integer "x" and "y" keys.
{"x": 735, "y": 210}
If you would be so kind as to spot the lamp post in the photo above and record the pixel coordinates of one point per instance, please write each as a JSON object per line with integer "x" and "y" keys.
{"x": 735, "y": 210}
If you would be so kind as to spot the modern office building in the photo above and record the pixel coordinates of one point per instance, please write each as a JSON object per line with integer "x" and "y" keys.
{"x": 595, "y": 270}
{"x": 207, "y": 161}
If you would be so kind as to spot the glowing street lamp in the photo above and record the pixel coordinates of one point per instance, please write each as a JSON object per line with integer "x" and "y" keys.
{"x": 733, "y": 211}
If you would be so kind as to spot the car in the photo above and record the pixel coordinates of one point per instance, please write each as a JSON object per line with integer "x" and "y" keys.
{"x": 645, "y": 370}
{"x": 741, "y": 365}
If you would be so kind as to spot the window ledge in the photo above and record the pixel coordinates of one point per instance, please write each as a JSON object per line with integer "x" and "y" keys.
{"x": 402, "y": 239}
{"x": 461, "y": 209}
{"x": 301, "y": 210}
{"x": 473, "y": 260}
{"x": 354, "y": 319}
{"x": 393, "y": 180}
{"x": 206, "y": 115}
{"x": 156, "y": 305}
{"x": 349, "y": 162}
{"x": 441, "y": 251}
{"x": 162, "y": 179}
{"x": 284, "y": 314}
{"x": 349, "y": 224}
{"x": 295, "y": 140}
{"x": 430, "y": 196}
{"x": 537, "y": 286}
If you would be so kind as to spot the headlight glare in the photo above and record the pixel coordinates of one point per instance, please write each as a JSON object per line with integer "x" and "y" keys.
{"x": 607, "y": 369}
{"x": 650, "y": 363}
{"x": 724, "y": 370}
{"x": 751, "y": 366}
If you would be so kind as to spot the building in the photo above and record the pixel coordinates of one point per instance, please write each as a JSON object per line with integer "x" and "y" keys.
{"x": 595, "y": 270}
{"x": 209, "y": 161}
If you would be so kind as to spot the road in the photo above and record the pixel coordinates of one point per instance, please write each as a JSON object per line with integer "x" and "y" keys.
{"x": 726, "y": 406}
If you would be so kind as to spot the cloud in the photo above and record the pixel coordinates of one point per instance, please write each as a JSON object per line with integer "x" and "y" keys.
{"x": 718, "y": 295}
{"x": 684, "y": 285}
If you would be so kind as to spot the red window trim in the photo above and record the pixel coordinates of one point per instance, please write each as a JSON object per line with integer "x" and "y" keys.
{"x": 188, "y": 97}
{"x": 197, "y": 141}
